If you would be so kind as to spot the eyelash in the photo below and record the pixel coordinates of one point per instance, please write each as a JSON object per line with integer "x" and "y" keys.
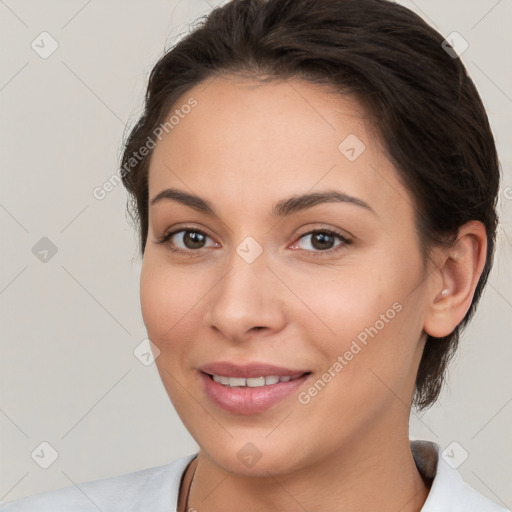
{"x": 345, "y": 241}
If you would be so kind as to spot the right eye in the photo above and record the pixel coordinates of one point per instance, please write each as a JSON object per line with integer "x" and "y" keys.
{"x": 191, "y": 239}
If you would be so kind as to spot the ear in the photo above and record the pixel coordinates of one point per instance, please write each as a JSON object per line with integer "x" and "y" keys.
{"x": 458, "y": 270}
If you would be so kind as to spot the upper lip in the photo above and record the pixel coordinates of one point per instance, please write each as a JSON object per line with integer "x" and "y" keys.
{"x": 250, "y": 370}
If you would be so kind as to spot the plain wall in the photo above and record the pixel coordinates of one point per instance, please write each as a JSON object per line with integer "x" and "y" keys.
{"x": 69, "y": 325}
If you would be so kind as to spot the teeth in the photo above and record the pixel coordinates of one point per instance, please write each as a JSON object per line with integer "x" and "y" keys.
{"x": 236, "y": 381}
{"x": 221, "y": 379}
{"x": 253, "y": 382}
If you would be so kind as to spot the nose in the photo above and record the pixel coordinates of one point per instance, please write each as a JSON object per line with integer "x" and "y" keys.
{"x": 248, "y": 299}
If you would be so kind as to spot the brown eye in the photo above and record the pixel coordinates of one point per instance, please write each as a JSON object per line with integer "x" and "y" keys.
{"x": 322, "y": 241}
{"x": 185, "y": 240}
{"x": 193, "y": 239}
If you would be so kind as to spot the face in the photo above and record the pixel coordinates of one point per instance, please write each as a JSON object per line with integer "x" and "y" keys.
{"x": 330, "y": 291}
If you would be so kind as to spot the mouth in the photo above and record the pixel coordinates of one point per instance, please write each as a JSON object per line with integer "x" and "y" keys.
{"x": 250, "y": 389}
{"x": 253, "y": 382}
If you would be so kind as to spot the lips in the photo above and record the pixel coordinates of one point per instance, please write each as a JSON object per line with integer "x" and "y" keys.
{"x": 251, "y": 388}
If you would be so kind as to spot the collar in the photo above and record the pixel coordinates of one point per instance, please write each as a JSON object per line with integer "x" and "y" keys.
{"x": 448, "y": 491}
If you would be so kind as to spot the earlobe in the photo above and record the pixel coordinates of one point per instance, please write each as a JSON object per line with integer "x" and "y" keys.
{"x": 460, "y": 267}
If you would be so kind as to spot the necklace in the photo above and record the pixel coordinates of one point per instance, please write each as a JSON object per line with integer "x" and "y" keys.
{"x": 190, "y": 486}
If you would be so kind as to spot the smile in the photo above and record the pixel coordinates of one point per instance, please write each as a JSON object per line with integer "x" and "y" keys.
{"x": 254, "y": 382}
{"x": 250, "y": 395}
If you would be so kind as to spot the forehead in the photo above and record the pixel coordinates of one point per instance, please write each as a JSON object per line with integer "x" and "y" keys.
{"x": 266, "y": 140}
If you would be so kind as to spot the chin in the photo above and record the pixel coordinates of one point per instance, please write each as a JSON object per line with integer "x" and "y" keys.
{"x": 258, "y": 458}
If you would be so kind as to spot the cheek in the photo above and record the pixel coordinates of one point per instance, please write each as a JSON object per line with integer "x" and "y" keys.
{"x": 375, "y": 346}
{"x": 169, "y": 298}
{"x": 343, "y": 305}
{"x": 366, "y": 315}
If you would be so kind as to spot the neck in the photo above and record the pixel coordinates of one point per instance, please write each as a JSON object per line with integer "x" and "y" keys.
{"x": 375, "y": 474}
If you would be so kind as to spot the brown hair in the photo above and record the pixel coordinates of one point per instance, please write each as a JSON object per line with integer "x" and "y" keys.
{"x": 423, "y": 105}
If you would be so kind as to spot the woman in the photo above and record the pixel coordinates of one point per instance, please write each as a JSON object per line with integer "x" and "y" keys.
{"x": 315, "y": 188}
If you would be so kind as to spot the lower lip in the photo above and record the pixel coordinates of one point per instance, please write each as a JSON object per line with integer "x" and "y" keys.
{"x": 247, "y": 400}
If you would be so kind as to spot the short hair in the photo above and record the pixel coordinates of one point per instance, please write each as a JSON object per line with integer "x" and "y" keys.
{"x": 415, "y": 90}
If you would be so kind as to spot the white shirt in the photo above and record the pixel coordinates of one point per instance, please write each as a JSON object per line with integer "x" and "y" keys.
{"x": 156, "y": 490}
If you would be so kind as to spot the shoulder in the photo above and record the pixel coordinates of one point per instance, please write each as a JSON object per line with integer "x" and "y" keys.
{"x": 449, "y": 492}
{"x": 156, "y": 488}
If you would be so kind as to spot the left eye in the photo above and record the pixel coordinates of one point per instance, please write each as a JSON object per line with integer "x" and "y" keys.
{"x": 322, "y": 240}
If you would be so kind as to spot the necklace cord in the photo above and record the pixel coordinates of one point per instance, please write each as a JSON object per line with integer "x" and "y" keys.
{"x": 190, "y": 486}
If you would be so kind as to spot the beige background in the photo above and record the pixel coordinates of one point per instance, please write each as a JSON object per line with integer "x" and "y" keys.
{"x": 69, "y": 325}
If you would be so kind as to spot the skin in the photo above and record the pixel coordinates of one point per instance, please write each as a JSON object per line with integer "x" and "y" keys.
{"x": 243, "y": 147}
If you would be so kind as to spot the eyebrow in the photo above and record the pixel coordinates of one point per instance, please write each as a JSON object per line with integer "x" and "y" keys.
{"x": 281, "y": 208}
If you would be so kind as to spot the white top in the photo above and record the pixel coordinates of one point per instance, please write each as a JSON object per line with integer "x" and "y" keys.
{"x": 156, "y": 490}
